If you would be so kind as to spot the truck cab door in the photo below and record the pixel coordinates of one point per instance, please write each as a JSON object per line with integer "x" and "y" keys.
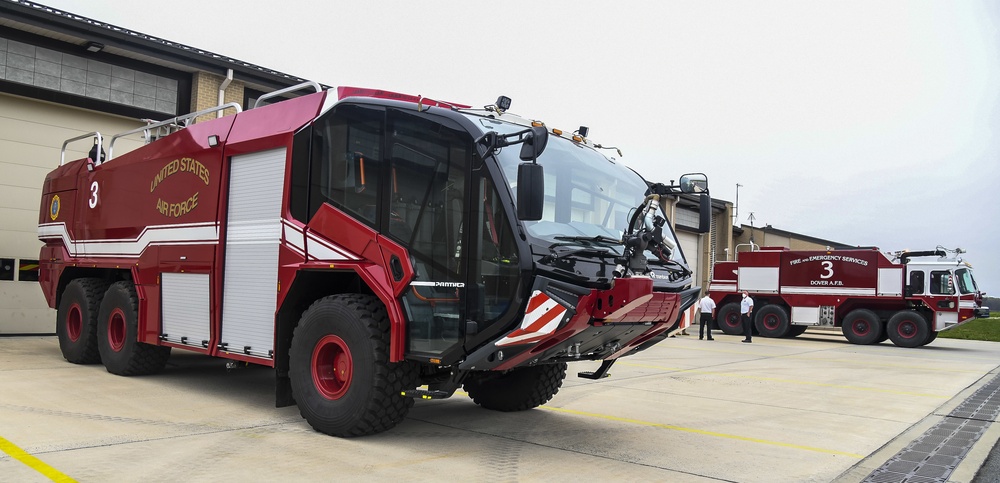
{"x": 426, "y": 204}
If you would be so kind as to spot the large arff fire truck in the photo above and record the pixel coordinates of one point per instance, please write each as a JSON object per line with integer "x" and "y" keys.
{"x": 372, "y": 247}
{"x": 870, "y": 296}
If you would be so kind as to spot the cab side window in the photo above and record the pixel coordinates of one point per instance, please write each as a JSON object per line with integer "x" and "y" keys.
{"x": 346, "y": 161}
{"x": 916, "y": 285}
{"x": 942, "y": 283}
{"x": 427, "y": 183}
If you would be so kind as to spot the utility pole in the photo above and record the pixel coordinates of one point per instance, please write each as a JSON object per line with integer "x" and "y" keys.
{"x": 736, "y": 207}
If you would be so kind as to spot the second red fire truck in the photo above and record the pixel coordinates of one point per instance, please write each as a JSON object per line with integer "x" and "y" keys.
{"x": 907, "y": 299}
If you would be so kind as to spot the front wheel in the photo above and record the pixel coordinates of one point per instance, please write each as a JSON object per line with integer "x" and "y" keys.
{"x": 517, "y": 389}
{"x": 862, "y": 326}
{"x": 339, "y": 368}
{"x": 118, "y": 335}
{"x": 729, "y": 320}
{"x": 908, "y": 328}
{"x": 772, "y": 321}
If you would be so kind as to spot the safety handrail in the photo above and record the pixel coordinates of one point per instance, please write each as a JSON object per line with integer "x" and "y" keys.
{"x": 172, "y": 122}
{"x": 753, "y": 248}
{"x": 100, "y": 141}
{"x": 313, "y": 84}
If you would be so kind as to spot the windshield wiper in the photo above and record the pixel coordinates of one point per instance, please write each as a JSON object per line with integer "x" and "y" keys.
{"x": 599, "y": 252}
{"x": 592, "y": 239}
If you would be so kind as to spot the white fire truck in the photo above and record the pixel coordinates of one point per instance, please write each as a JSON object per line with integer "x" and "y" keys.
{"x": 870, "y": 296}
{"x": 371, "y": 247}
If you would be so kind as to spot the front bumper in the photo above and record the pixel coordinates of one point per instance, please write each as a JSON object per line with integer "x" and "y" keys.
{"x": 589, "y": 325}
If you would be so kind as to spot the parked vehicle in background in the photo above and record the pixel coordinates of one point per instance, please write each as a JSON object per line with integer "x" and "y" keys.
{"x": 870, "y": 296}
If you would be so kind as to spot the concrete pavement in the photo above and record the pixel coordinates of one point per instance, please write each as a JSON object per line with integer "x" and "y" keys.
{"x": 814, "y": 408}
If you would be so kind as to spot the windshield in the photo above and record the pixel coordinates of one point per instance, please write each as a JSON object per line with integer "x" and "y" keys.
{"x": 966, "y": 284}
{"x": 588, "y": 198}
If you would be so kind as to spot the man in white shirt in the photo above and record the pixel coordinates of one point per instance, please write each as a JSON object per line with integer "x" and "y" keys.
{"x": 707, "y": 307}
{"x": 746, "y": 313}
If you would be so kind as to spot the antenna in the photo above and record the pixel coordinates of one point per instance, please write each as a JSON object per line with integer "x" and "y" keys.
{"x": 752, "y": 218}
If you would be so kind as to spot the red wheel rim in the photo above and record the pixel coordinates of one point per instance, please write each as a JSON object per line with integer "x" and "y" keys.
{"x": 770, "y": 322}
{"x": 332, "y": 367}
{"x": 907, "y": 329}
{"x": 116, "y": 330}
{"x": 861, "y": 327}
{"x": 734, "y": 321}
{"x": 74, "y": 322}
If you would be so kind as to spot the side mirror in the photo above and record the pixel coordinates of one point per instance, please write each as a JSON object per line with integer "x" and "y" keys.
{"x": 694, "y": 183}
{"x": 704, "y": 213}
{"x": 534, "y": 143}
{"x": 530, "y": 190}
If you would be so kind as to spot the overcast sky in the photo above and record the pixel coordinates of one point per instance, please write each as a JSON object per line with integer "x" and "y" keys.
{"x": 863, "y": 122}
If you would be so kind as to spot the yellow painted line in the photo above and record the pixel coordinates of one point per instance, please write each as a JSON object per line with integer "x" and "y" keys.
{"x": 788, "y": 381}
{"x": 34, "y": 463}
{"x": 702, "y": 432}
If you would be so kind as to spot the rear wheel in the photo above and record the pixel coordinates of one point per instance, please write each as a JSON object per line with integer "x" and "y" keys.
{"x": 862, "y": 326}
{"x": 729, "y": 319}
{"x": 517, "y": 389}
{"x": 772, "y": 321}
{"x": 118, "y": 335}
{"x": 908, "y": 329}
{"x": 930, "y": 337}
{"x": 76, "y": 320}
{"x": 340, "y": 372}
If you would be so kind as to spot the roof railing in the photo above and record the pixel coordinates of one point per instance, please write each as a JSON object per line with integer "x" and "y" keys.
{"x": 170, "y": 126}
{"x": 95, "y": 134}
{"x": 315, "y": 85}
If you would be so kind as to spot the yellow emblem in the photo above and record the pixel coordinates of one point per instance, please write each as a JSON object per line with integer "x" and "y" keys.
{"x": 54, "y": 208}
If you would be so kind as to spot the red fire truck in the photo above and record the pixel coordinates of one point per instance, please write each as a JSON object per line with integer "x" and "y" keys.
{"x": 371, "y": 247}
{"x": 870, "y": 296}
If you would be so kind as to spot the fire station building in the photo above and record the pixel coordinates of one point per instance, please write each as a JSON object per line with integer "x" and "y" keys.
{"x": 63, "y": 76}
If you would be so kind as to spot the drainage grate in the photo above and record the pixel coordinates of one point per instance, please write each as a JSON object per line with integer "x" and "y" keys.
{"x": 935, "y": 454}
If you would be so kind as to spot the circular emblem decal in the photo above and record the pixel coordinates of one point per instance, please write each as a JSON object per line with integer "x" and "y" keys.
{"x": 54, "y": 208}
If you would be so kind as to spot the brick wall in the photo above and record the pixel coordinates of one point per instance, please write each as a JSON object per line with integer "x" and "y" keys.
{"x": 205, "y": 93}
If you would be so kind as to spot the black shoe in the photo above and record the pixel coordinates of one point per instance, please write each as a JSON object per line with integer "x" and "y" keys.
{"x": 747, "y": 341}
{"x": 710, "y": 338}
{"x": 702, "y": 338}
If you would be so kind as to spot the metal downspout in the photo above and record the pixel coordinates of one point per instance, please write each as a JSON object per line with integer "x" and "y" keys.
{"x": 222, "y": 90}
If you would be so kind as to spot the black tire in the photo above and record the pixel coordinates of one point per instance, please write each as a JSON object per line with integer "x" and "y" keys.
{"x": 517, "y": 389}
{"x": 796, "y": 330}
{"x": 729, "y": 320}
{"x": 930, "y": 337}
{"x": 341, "y": 377}
{"x": 884, "y": 337}
{"x": 772, "y": 321}
{"x": 908, "y": 329}
{"x": 76, "y": 320}
{"x": 862, "y": 326}
{"x": 118, "y": 335}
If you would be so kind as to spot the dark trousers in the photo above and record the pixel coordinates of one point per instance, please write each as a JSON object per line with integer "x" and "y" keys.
{"x": 747, "y": 326}
{"x": 706, "y": 320}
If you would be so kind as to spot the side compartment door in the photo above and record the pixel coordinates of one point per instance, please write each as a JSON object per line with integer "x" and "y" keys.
{"x": 253, "y": 234}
